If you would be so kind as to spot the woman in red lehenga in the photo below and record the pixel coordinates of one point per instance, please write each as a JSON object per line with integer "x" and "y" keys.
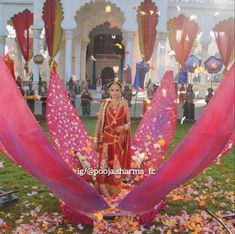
{"x": 112, "y": 139}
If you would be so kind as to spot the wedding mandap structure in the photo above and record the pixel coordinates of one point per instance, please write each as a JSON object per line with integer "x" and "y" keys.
{"x": 99, "y": 38}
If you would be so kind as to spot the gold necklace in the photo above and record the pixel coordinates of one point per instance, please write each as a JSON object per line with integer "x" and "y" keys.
{"x": 115, "y": 103}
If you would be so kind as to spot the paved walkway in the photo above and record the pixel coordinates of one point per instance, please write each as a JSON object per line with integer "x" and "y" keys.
{"x": 136, "y": 108}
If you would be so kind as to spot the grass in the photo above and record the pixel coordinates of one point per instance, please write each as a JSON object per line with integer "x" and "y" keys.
{"x": 216, "y": 183}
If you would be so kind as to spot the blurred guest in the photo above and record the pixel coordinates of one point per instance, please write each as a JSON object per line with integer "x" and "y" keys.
{"x": 182, "y": 95}
{"x": 188, "y": 106}
{"x": 86, "y": 99}
{"x": 209, "y": 95}
{"x": 30, "y": 98}
{"x": 127, "y": 95}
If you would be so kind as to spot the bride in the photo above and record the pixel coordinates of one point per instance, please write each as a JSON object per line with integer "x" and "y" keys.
{"x": 112, "y": 139}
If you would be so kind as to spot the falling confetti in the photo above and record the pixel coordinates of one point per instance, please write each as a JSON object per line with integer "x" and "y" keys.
{"x": 119, "y": 45}
{"x": 93, "y": 58}
{"x": 112, "y": 25}
{"x": 1, "y": 164}
{"x": 134, "y": 8}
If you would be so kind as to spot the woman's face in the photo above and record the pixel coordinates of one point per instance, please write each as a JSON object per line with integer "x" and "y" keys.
{"x": 115, "y": 91}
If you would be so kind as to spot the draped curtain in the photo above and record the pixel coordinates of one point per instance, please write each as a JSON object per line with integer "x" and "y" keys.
{"x": 147, "y": 19}
{"x": 52, "y": 17}
{"x": 22, "y": 23}
{"x": 182, "y": 33}
{"x": 224, "y": 36}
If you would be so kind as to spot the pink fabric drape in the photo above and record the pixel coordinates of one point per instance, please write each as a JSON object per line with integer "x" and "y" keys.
{"x": 197, "y": 151}
{"x": 25, "y": 141}
{"x": 157, "y": 128}
{"x": 182, "y": 33}
{"x": 224, "y": 36}
{"x": 10, "y": 64}
{"x": 22, "y": 23}
{"x": 147, "y": 18}
{"x": 65, "y": 127}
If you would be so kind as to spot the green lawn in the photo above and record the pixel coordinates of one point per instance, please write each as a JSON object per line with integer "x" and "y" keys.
{"x": 214, "y": 187}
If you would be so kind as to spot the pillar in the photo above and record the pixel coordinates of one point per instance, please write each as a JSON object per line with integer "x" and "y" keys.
{"x": 203, "y": 76}
{"x": 2, "y": 45}
{"x": 68, "y": 53}
{"x": 83, "y": 60}
{"x": 77, "y": 65}
{"x": 129, "y": 35}
{"x": 154, "y": 73}
{"x": 162, "y": 37}
{"x": 19, "y": 61}
{"x": 36, "y": 40}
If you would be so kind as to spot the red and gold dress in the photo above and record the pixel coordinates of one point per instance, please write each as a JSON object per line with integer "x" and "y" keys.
{"x": 113, "y": 146}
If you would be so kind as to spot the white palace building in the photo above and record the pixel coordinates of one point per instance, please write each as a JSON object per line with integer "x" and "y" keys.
{"x": 87, "y": 21}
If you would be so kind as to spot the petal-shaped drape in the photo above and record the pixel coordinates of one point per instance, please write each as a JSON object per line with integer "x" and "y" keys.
{"x": 147, "y": 18}
{"x": 182, "y": 33}
{"x": 224, "y": 36}
{"x": 22, "y": 23}
{"x": 65, "y": 127}
{"x": 157, "y": 128}
{"x": 52, "y": 17}
{"x": 25, "y": 141}
{"x": 198, "y": 150}
{"x": 10, "y": 64}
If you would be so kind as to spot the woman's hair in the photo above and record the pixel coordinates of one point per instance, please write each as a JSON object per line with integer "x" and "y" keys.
{"x": 114, "y": 81}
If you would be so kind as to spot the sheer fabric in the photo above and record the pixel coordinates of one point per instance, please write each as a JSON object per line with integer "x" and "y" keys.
{"x": 157, "y": 127}
{"x": 66, "y": 129}
{"x": 25, "y": 141}
{"x": 200, "y": 147}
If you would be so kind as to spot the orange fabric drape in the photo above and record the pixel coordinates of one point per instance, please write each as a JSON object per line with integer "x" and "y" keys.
{"x": 147, "y": 18}
{"x": 224, "y": 36}
{"x": 182, "y": 33}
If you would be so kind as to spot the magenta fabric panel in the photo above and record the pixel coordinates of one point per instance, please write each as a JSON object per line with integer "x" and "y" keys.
{"x": 203, "y": 143}
{"x": 157, "y": 128}
{"x": 25, "y": 141}
{"x": 65, "y": 127}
